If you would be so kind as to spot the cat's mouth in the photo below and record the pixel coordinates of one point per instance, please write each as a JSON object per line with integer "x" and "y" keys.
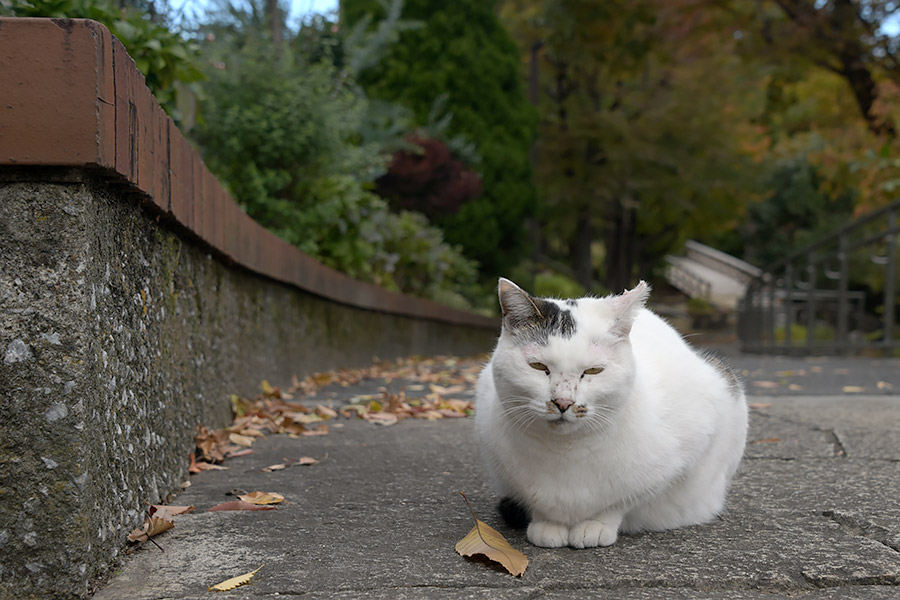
{"x": 559, "y": 419}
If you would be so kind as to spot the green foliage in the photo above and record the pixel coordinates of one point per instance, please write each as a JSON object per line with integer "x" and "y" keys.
{"x": 464, "y": 55}
{"x": 167, "y": 61}
{"x": 795, "y": 213}
{"x": 637, "y": 149}
{"x": 299, "y": 145}
{"x": 556, "y": 285}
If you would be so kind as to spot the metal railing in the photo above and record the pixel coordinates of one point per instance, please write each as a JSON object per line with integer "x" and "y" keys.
{"x": 836, "y": 296}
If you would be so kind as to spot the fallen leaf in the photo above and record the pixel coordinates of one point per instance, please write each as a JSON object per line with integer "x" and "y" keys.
{"x": 852, "y": 389}
{"x": 240, "y": 505}
{"x": 766, "y": 384}
{"x": 262, "y": 498}
{"x": 241, "y": 440}
{"x": 381, "y": 418}
{"x": 167, "y": 512}
{"x": 487, "y": 541}
{"x": 307, "y": 460}
{"x": 325, "y": 412}
{"x": 211, "y": 444}
{"x": 152, "y": 526}
{"x": 759, "y": 405}
{"x": 795, "y": 387}
{"x": 320, "y": 430}
{"x": 278, "y": 467}
{"x": 237, "y": 453}
{"x": 447, "y": 391}
{"x": 230, "y": 584}
{"x": 884, "y": 385}
{"x": 771, "y": 440}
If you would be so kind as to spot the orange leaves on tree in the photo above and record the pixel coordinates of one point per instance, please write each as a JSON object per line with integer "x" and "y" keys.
{"x": 486, "y": 541}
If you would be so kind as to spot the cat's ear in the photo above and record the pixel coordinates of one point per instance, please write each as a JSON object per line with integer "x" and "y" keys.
{"x": 516, "y": 304}
{"x": 627, "y": 306}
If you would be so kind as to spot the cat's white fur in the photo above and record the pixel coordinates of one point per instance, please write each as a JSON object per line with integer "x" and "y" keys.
{"x": 655, "y": 439}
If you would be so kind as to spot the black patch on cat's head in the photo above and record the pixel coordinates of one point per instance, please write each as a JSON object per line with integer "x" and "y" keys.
{"x": 533, "y": 320}
{"x": 572, "y": 302}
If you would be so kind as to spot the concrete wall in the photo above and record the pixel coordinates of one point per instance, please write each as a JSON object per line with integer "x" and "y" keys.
{"x": 135, "y": 297}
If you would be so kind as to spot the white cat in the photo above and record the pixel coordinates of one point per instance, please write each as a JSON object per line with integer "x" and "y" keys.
{"x": 594, "y": 417}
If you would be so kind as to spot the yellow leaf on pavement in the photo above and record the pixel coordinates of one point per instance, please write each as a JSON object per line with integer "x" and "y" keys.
{"x": 487, "y": 541}
{"x": 230, "y": 584}
{"x": 262, "y": 498}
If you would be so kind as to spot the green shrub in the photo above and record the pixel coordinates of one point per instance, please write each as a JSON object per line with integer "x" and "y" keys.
{"x": 299, "y": 145}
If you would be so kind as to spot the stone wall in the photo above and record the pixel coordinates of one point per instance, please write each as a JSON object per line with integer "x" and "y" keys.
{"x": 135, "y": 297}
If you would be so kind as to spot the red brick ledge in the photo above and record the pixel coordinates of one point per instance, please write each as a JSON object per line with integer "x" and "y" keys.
{"x": 71, "y": 96}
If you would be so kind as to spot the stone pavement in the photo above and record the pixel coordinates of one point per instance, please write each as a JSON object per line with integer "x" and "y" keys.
{"x": 813, "y": 511}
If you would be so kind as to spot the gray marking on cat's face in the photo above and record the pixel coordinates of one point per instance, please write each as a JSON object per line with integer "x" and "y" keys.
{"x": 537, "y": 328}
{"x": 572, "y": 302}
{"x": 533, "y": 320}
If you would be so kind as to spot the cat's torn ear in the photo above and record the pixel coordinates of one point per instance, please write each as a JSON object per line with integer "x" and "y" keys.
{"x": 515, "y": 303}
{"x": 627, "y": 306}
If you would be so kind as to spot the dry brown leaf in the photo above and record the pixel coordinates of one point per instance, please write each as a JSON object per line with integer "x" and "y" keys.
{"x": 167, "y": 512}
{"x": 236, "y": 453}
{"x": 211, "y": 444}
{"x": 487, "y": 541}
{"x": 884, "y": 385}
{"x": 152, "y": 526}
{"x": 205, "y": 466}
{"x": 278, "y": 467}
{"x": 771, "y": 440}
{"x": 307, "y": 460}
{"x": 852, "y": 389}
{"x": 759, "y": 405}
{"x": 325, "y": 412}
{"x": 230, "y": 584}
{"x": 240, "y": 505}
{"x": 199, "y": 467}
{"x": 262, "y": 498}
{"x": 241, "y": 440}
{"x": 766, "y": 384}
{"x": 795, "y": 387}
{"x": 320, "y": 430}
{"x": 381, "y": 418}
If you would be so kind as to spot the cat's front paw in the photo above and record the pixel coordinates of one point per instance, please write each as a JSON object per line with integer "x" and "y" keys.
{"x": 547, "y": 534}
{"x": 590, "y": 534}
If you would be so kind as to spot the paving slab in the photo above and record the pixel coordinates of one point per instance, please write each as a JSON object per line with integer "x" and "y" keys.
{"x": 813, "y": 513}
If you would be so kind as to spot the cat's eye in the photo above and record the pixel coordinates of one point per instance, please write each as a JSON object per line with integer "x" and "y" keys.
{"x": 592, "y": 371}
{"x": 540, "y": 367}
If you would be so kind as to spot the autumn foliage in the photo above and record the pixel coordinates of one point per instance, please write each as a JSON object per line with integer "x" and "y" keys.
{"x": 429, "y": 180}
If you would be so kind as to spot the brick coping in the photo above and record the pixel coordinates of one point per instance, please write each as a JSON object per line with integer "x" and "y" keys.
{"x": 72, "y": 97}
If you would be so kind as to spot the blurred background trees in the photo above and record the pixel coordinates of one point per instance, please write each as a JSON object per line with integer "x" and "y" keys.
{"x": 430, "y": 146}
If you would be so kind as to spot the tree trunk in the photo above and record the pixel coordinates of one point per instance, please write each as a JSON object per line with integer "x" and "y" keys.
{"x": 273, "y": 15}
{"x": 619, "y": 247}
{"x": 580, "y": 249}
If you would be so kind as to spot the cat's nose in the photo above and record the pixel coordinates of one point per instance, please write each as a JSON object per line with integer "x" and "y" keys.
{"x": 562, "y": 404}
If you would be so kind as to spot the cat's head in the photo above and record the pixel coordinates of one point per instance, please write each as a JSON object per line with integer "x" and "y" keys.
{"x": 565, "y": 363}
